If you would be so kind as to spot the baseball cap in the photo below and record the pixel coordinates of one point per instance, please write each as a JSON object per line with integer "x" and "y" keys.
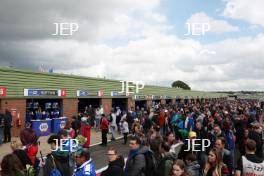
{"x": 192, "y": 134}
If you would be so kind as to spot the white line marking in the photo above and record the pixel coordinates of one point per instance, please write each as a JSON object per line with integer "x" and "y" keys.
{"x": 107, "y": 141}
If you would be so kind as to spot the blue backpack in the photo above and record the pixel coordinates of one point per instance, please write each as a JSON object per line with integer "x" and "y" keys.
{"x": 54, "y": 171}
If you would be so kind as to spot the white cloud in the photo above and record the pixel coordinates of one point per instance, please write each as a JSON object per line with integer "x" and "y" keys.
{"x": 237, "y": 63}
{"x": 250, "y": 11}
{"x": 217, "y": 26}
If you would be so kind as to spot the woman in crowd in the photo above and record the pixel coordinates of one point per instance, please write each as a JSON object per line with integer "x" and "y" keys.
{"x": 21, "y": 154}
{"x": 178, "y": 169}
{"x": 214, "y": 165}
{"x": 11, "y": 166}
{"x": 29, "y": 140}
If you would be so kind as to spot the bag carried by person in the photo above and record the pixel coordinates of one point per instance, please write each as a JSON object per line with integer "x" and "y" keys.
{"x": 151, "y": 164}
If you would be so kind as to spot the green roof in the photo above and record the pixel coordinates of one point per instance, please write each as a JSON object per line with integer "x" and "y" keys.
{"x": 17, "y": 80}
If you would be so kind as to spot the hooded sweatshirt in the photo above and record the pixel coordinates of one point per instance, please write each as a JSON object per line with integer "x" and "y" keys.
{"x": 115, "y": 168}
{"x": 61, "y": 159}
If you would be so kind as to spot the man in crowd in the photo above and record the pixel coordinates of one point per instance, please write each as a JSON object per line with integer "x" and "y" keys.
{"x": 226, "y": 154}
{"x": 255, "y": 134}
{"x": 116, "y": 164}
{"x": 7, "y": 126}
{"x": 136, "y": 161}
{"x": 250, "y": 164}
{"x": 85, "y": 166}
{"x": 58, "y": 158}
{"x": 104, "y": 124}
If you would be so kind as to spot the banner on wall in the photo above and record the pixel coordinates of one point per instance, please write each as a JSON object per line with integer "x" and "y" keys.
{"x": 156, "y": 97}
{"x": 45, "y": 92}
{"x": 2, "y": 91}
{"x": 86, "y": 93}
{"x": 140, "y": 97}
{"x": 167, "y": 97}
{"x": 116, "y": 93}
{"x": 178, "y": 97}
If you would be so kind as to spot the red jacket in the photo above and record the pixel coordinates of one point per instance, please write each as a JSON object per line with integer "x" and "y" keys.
{"x": 32, "y": 151}
{"x": 104, "y": 123}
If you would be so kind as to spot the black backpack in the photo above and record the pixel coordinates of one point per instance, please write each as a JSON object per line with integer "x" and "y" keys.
{"x": 151, "y": 164}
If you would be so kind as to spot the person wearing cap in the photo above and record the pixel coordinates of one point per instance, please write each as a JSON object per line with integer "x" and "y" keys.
{"x": 85, "y": 166}
{"x": 185, "y": 149}
{"x": 192, "y": 135}
{"x": 189, "y": 147}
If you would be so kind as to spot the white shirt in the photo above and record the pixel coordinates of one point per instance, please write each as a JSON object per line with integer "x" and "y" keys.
{"x": 113, "y": 123}
{"x": 124, "y": 127}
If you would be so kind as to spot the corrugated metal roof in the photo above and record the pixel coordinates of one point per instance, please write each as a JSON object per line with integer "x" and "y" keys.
{"x": 17, "y": 80}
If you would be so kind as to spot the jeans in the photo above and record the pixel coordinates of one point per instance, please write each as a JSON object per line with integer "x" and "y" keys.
{"x": 7, "y": 134}
{"x": 125, "y": 137}
{"x": 104, "y": 137}
{"x": 113, "y": 131}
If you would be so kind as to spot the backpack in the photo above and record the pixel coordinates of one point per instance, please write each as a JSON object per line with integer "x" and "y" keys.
{"x": 54, "y": 171}
{"x": 151, "y": 164}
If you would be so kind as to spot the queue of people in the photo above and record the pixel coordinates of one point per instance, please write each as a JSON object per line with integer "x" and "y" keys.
{"x": 210, "y": 138}
{"x": 176, "y": 133}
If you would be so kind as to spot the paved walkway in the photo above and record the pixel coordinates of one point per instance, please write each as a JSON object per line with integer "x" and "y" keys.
{"x": 44, "y": 146}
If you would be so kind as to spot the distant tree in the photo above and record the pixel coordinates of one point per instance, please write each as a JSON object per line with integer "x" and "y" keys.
{"x": 181, "y": 84}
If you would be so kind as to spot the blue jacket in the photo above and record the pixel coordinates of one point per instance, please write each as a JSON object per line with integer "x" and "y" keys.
{"x": 86, "y": 169}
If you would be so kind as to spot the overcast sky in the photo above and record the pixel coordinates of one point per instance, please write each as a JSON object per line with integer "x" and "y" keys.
{"x": 141, "y": 40}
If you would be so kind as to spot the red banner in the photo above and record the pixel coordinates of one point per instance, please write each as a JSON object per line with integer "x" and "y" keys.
{"x": 63, "y": 92}
{"x": 2, "y": 91}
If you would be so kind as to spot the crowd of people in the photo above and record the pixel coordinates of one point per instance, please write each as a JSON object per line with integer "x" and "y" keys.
{"x": 198, "y": 138}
